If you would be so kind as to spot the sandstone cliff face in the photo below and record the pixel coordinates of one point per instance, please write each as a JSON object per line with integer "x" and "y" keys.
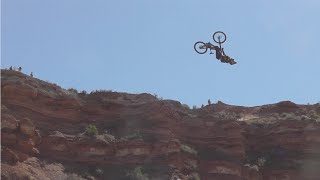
{"x": 143, "y": 137}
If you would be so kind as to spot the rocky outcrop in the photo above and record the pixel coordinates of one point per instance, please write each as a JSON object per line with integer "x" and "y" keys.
{"x": 140, "y": 135}
{"x": 19, "y": 139}
{"x": 8, "y": 122}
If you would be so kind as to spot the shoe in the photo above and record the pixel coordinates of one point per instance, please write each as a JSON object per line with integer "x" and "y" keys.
{"x": 232, "y": 62}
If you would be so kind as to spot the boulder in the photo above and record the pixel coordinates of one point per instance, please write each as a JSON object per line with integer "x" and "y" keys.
{"x": 27, "y": 127}
{"x": 8, "y": 122}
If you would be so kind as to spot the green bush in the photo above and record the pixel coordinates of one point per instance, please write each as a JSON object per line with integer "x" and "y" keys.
{"x": 91, "y": 130}
{"x": 72, "y": 90}
{"x": 84, "y": 92}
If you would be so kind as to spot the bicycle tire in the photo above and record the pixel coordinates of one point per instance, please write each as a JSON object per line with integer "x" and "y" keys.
{"x": 215, "y": 37}
{"x": 197, "y": 47}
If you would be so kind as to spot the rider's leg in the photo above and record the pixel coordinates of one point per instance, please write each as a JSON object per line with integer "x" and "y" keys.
{"x": 224, "y": 59}
{"x": 222, "y": 52}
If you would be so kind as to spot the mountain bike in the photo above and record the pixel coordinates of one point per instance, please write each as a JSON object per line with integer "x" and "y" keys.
{"x": 218, "y": 37}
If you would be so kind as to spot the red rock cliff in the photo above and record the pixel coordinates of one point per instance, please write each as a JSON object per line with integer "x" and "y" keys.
{"x": 43, "y": 134}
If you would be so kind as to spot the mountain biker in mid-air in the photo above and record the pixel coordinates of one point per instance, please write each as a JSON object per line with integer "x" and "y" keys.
{"x": 218, "y": 37}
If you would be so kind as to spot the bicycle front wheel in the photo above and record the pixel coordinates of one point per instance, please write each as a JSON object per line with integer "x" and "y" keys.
{"x": 200, "y": 47}
{"x": 219, "y": 37}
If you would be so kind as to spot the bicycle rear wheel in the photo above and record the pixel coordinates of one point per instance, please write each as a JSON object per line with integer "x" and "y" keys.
{"x": 219, "y": 37}
{"x": 200, "y": 47}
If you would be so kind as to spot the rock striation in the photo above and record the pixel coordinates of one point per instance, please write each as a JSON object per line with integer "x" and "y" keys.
{"x": 45, "y": 134}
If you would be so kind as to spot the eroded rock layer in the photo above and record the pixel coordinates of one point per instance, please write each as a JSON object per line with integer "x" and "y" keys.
{"x": 46, "y": 134}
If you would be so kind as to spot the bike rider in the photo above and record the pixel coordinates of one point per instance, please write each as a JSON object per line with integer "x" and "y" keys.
{"x": 222, "y": 56}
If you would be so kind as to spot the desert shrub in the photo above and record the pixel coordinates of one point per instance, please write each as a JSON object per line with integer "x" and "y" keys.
{"x": 313, "y": 114}
{"x": 261, "y": 161}
{"x": 99, "y": 172}
{"x": 289, "y": 116}
{"x": 138, "y": 174}
{"x": 103, "y": 91}
{"x": 48, "y": 93}
{"x": 255, "y": 162}
{"x": 264, "y": 122}
{"x": 109, "y": 137}
{"x": 83, "y": 92}
{"x": 91, "y": 130}
{"x": 228, "y": 115}
{"x": 72, "y": 90}
{"x": 185, "y": 148}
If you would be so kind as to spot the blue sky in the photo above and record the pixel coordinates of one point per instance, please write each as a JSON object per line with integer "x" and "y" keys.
{"x": 147, "y": 46}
